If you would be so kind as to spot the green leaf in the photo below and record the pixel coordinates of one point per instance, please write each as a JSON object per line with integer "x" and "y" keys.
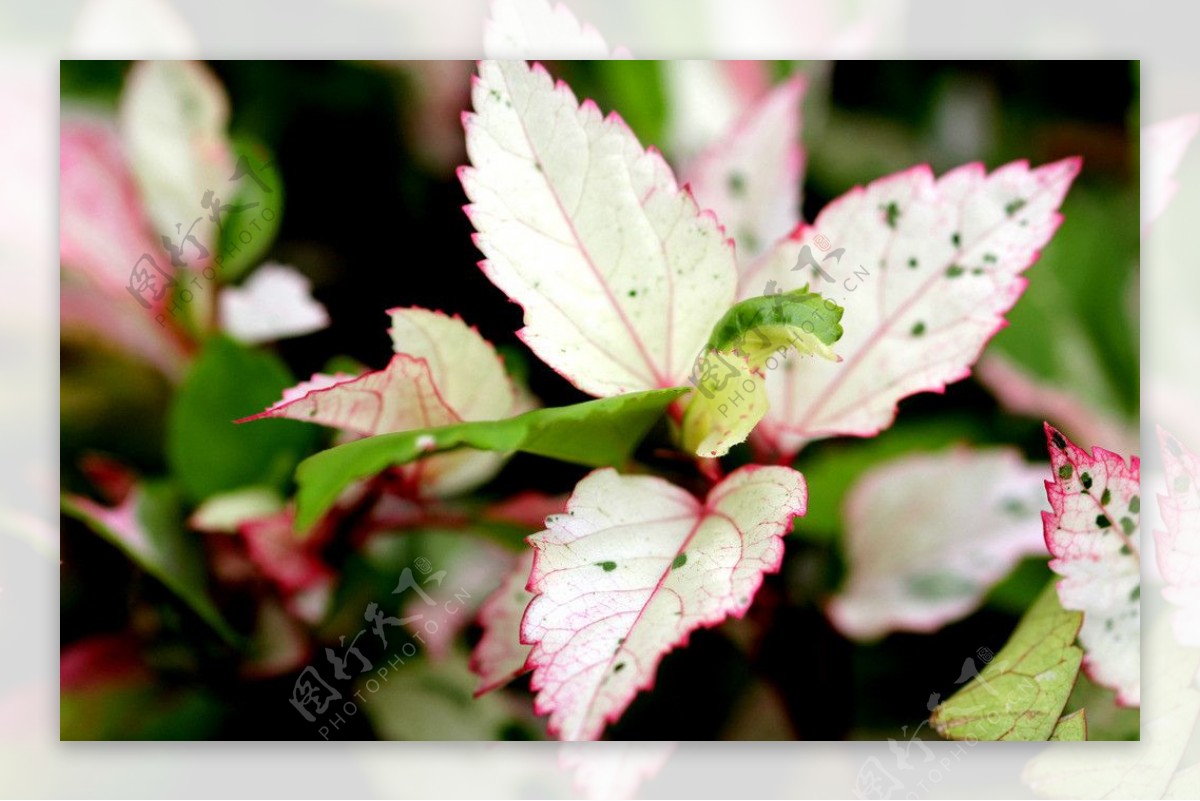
{"x": 205, "y": 450}
{"x": 751, "y": 338}
{"x": 757, "y": 327}
{"x": 597, "y": 433}
{"x": 1022, "y": 692}
{"x": 148, "y": 527}
{"x": 1071, "y": 727}
{"x": 250, "y": 226}
{"x": 139, "y": 712}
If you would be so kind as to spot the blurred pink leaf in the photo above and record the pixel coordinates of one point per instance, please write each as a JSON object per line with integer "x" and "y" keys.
{"x": 529, "y": 508}
{"x": 1021, "y": 392}
{"x": 620, "y": 275}
{"x": 474, "y": 568}
{"x": 103, "y": 235}
{"x": 101, "y": 660}
{"x": 925, "y": 270}
{"x": 634, "y": 566}
{"x": 292, "y": 562}
{"x": 705, "y": 100}
{"x": 500, "y": 655}
{"x": 750, "y": 177}
{"x": 1178, "y": 546}
{"x": 928, "y": 535}
{"x": 1093, "y": 534}
{"x": 1163, "y": 147}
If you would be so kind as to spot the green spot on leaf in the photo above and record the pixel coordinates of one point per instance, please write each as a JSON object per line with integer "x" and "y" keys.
{"x": 1135, "y": 504}
{"x": 1105, "y": 496}
{"x": 1102, "y": 521}
{"x": 1058, "y": 441}
{"x": 737, "y": 184}
{"x": 1086, "y": 480}
{"x": 891, "y": 213}
{"x": 912, "y": 262}
{"x": 1136, "y": 593}
{"x": 608, "y": 566}
{"x": 918, "y": 329}
{"x": 1013, "y": 206}
{"x": 954, "y": 271}
{"x": 1065, "y": 471}
{"x": 680, "y": 561}
{"x": 955, "y": 239}
{"x": 617, "y": 668}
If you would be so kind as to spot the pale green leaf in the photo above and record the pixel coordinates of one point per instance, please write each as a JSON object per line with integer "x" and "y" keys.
{"x": 1022, "y": 692}
{"x": 1072, "y": 727}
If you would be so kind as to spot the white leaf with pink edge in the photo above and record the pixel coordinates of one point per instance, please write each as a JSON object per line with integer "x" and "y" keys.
{"x": 444, "y": 372}
{"x": 925, "y": 270}
{"x": 500, "y": 655}
{"x": 705, "y": 99}
{"x": 537, "y": 29}
{"x": 750, "y": 177}
{"x": 1163, "y": 147}
{"x": 1178, "y": 545}
{"x": 620, "y": 274}
{"x": 400, "y": 397}
{"x": 275, "y": 302}
{"x": 928, "y": 535}
{"x": 173, "y": 117}
{"x": 1093, "y": 533}
{"x": 469, "y": 374}
{"x": 472, "y": 380}
{"x": 634, "y": 566}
